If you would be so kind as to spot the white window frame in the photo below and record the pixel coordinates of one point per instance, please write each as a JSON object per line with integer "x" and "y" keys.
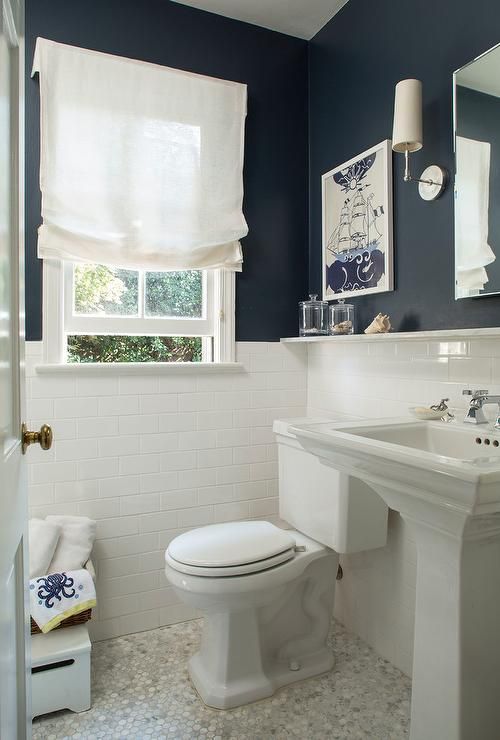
{"x": 216, "y": 327}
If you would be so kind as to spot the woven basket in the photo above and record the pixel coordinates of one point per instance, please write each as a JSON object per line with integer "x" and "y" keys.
{"x": 75, "y": 618}
{"x": 69, "y": 622}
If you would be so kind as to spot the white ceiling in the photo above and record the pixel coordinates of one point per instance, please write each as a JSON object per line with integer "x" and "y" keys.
{"x": 301, "y": 18}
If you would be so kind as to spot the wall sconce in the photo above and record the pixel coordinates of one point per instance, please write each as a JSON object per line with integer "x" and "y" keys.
{"x": 407, "y": 137}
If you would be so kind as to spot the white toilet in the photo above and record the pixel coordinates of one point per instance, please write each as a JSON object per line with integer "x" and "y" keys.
{"x": 267, "y": 594}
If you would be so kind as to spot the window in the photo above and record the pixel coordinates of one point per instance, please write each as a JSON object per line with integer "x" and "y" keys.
{"x": 96, "y": 313}
{"x": 141, "y": 169}
{"x": 116, "y": 315}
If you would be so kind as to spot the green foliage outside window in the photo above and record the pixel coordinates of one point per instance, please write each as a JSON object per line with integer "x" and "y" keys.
{"x": 174, "y": 294}
{"x": 105, "y": 290}
{"x": 110, "y": 291}
{"x": 107, "y": 348}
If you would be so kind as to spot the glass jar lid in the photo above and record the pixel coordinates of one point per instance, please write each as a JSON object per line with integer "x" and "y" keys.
{"x": 313, "y": 301}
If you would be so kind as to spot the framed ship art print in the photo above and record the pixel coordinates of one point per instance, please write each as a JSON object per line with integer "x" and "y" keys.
{"x": 357, "y": 225}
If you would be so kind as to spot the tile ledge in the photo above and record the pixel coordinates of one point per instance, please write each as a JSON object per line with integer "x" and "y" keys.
{"x": 139, "y": 368}
{"x": 414, "y": 336}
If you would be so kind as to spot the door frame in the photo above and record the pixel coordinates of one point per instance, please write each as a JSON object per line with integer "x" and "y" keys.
{"x": 12, "y": 24}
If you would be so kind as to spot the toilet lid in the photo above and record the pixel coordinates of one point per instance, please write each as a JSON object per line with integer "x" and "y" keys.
{"x": 230, "y": 571}
{"x": 231, "y": 544}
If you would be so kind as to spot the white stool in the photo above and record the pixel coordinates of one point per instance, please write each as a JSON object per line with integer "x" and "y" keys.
{"x": 60, "y": 673}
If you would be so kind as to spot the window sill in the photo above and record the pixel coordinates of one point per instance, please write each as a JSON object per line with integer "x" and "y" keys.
{"x": 139, "y": 368}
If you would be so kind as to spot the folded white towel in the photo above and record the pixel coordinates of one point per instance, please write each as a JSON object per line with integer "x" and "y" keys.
{"x": 473, "y": 253}
{"x": 57, "y": 596}
{"x": 75, "y": 543}
{"x": 43, "y": 538}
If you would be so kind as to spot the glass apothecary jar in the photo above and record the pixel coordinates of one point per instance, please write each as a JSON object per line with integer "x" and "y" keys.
{"x": 341, "y": 318}
{"x": 313, "y": 317}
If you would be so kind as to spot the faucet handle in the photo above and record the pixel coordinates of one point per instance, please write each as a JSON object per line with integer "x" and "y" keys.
{"x": 476, "y": 394}
{"x": 441, "y": 406}
{"x": 467, "y": 392}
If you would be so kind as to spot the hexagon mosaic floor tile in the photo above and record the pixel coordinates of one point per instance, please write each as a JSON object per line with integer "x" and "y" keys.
{"x": 141, "y": 690}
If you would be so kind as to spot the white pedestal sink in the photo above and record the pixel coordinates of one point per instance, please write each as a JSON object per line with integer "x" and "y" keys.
{"x": 444, "y": 479}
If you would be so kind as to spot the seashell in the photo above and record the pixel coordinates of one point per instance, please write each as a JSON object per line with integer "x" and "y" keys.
{"x": 381, "y": 324}
{"x": 344, "y": 327}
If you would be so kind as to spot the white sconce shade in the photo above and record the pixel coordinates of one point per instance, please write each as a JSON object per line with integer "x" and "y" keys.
{"x": 407, "y": 130}
{"x": 407, "y": 137}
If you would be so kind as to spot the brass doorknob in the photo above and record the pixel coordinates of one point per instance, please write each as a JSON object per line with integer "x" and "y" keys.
{"x": 44, "y": 437}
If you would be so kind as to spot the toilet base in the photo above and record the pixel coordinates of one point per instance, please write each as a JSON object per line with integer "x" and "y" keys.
{"x": 249, "y": 651}
{"x": 249, "y": 689}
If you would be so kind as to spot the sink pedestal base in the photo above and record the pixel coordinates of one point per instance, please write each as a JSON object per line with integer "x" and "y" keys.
{"x": 456, "y": 667}
{"x": 451, "y": 499}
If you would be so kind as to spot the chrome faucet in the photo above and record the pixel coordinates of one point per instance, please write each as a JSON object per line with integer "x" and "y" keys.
{"x": 475, "y": 413}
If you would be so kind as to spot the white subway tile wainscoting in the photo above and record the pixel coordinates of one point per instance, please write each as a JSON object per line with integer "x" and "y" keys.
{"x": 152, "y": 455}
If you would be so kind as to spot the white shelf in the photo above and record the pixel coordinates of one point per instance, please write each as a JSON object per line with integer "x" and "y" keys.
{"x": 412, "y": 336}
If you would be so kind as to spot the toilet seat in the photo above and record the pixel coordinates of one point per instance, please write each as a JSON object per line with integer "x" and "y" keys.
{"x": 232, "y": 549}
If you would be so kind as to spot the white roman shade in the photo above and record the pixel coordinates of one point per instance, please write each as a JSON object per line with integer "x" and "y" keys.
{"x": 141, "y": 165}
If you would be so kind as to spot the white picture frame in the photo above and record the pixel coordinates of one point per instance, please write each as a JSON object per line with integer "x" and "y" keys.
{"x": 357, "y": 225}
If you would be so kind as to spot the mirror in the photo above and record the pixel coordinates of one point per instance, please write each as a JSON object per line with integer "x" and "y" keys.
{"x": 476, "y": 88}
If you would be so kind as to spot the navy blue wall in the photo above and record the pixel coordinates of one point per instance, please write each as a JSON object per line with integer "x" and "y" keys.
{"x": 274, "y": 67}
{"x": 355, "y": 61}
{"x": 479, "y": 118}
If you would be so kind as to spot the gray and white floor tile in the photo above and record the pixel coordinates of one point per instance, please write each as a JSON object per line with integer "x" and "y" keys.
{"x": 141, "y": 690}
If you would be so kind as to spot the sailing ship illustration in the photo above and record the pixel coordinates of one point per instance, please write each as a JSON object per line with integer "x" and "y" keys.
{"x": 354, "y": 250}
{"x": 357, "y": 230}
{"x": 357, "y": 225}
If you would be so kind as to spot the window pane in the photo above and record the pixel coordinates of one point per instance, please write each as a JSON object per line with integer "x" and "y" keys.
{"x": 105, "y": 291}
{"x": 174, "y": 294}
{"x": 107, "y": 348}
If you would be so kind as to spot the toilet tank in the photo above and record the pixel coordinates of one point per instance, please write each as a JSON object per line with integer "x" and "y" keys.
{"x": 332, "y": 508}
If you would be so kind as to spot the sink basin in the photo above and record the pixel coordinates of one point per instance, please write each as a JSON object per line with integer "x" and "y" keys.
{"x": 444, "y": 479}
{"x": 457, "y": 463}
{"x": 458, "y": 443}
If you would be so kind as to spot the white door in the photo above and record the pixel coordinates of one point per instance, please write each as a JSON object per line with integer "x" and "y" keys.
{"x": 14, "y": 685}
